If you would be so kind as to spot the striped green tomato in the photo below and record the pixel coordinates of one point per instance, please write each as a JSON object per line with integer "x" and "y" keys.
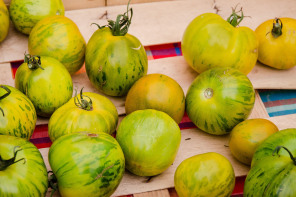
{"x": 17, "y": 113}
{"x": 60, "y": 38}
{"x": 273, "y": 167}
{"x": 208, "y": 174}
{"x": 210, "y": 41}
{"x": 87, "y": 164}
{"x": 22, "y": 169}
{"x": 48, "y": 85}
{"x": 4, "y": 21}
{"x": 150, "y": 140}
{"x": 85, "y": 112}
{"x": 219, "y": 99}
{"x": 25, "y": 14}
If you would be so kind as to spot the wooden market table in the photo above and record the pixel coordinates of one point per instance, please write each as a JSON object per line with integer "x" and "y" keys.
{"x": 158, "y": 24}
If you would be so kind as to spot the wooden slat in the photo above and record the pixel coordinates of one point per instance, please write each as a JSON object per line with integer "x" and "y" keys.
{"x": 158, "y": 22}
{"x": 158, "y": 193}
{"x": 259, "y": 110}
{"x": 6, "y": 75}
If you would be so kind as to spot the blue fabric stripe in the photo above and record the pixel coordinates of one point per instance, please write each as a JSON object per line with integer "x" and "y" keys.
{"x": 281, "y": 113}
{"x": 273, "y": 95}
{"x": 177, "y": 49}
{"x": 281, "y": 108}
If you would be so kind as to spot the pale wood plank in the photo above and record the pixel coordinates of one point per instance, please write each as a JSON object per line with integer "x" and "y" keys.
{"x": 259, "y": 110}
{"x": 6, "y": 74}
{"x": 157, "y": 193}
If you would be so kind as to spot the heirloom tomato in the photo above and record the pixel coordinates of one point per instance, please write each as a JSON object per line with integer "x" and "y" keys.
{"x": 4, "y": 21}
{"x": 208, "y": 174}
{"x": 246, "y": 136}
{"x": 277, "y": 43}
{"x": 45, "y": 81}
{"x": 157, "y": 91}
{"x": 273, "y": 168}
{"x": 85, "y": 112}
{"x": 150, "y": 140}
{"x": 209, "y": 41}
{"x": 22, "y": 169}
{"x": 86, "y": 164}
{"x": 218, "y": 99}
{"x": 60, "y": 38}
{"x": 114, "y": 59}
{"x": 25, "y": 14}
{"x": 17, "y": 113}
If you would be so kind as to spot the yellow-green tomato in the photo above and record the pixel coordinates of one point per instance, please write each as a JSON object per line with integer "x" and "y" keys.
{"x": 208, "y": 174}
{"x": 46, "y": 82}
{"x": 210, "y": 41}
{"x": 247, "y": 136}
{"x": 277, "y": 42}
{"x": 157, "y": 91}
{"x": 60, "y": 38}
{"x": 85, "y": 112}
{"x": 4, "y": 21}
{"x": 25, "y": 14}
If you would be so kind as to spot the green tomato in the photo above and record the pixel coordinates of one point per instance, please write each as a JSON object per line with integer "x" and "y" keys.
{"x": 17, "y": 113}
{"x": 60, "y": 38}
{"x": 25, "y": 14}
{"x": 48, "y": 87}
{"x": 209, "y": 41}
{"x": 208, "y": 174}
{"x": 273, "y": 168}
{"x": 87, "y": 164}
{"x": 150, "y": 140}
{"x": 85, "y": 112}
{"x": 22, "y": 169}
{"x": 219, "y": 99}
{"x": 4, "y": 21}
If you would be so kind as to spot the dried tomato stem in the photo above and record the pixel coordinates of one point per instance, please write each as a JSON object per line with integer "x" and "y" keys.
{"x": 5, "y": 163}
{"x": 277, "y": 28}
{"x": 278, "y": 148}
{"x": 82, "y": 102}
{"x": 33, "y": 62}
{"x": 8, "y": 91}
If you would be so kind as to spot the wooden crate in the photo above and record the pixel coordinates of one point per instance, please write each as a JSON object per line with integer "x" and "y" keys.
{"x": 164, "y": 22}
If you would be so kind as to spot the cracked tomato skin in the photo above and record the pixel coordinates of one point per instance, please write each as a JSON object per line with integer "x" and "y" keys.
{"x": 114, "y": 63}
{"x": 24, "y": 178}
{"x": 4, "y": 21}
{"x": 87, "y": 164}
{"x": 277, "y": 52}
{"x": 19, "y": 114}
{"x": 208, "y": 174}
{"x": 209, "y": 41}
{"x": 58, "y": 37}
{"x": 48, "y": 89}
{"x": 25, "y": 14}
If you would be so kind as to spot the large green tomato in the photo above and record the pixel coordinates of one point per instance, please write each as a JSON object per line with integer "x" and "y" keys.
{"x": 22, "y": 169}
{"x": 87, "y": 164}
{"x": 25, "y": 14}
{"x": 273, "y": 168}
{"x": 46, "y": 82}
{"x": 150, "y": 140}
{"x": 4, "y": 21}
{"x": 208, "y": 174}
{"x": 209, "y": 41}
{"x": 85, "y": 112}
{"x": 219, "y": 99}
{"x": 17, "y": 113}
{"x": 60, "y": 38}
{"x": 157, "y": 91}
{"x": 115, "y": 60}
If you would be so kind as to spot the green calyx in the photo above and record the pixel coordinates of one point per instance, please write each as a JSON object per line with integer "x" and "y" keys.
{"x": 8, "y": 162}
{"x": 120, "y": 26}
{"x": 52, "y": 182}
{"x": 83, "y": 103}
{"x": 33, "y": 62}
{"x": 234, "y": 19}
{"x": 278, "y": 148}
{"x": 8, "y": 91}
{"x": 277, "y": 28}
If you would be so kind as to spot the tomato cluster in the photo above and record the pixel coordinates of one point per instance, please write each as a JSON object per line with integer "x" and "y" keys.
{"x": 86, "y": 157}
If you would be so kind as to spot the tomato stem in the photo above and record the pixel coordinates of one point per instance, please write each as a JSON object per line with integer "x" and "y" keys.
{"x": 277, "y": 149}
{"x": 120, "y": 26}
{"x": 8, "y": 91}
{"x": 277, "y": 27}
{"x": 33, "y": 62}
{"x": 234, "y": 19}
{"x": 83, "y": 103}
{"x": 52, "y": 183}
{"x": 6, "y": 163}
